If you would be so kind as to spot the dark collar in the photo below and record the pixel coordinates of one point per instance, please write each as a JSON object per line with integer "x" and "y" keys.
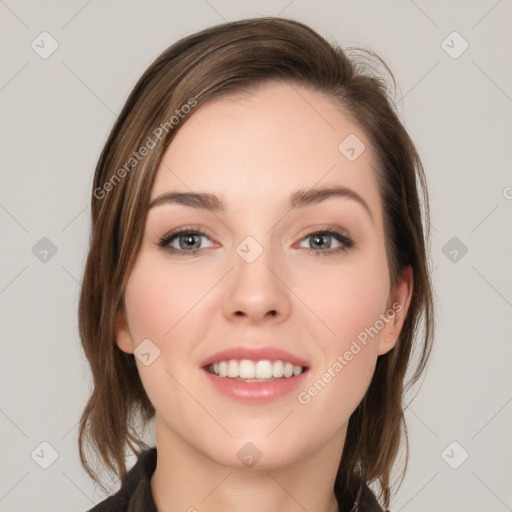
{"x": 135, "y": 493}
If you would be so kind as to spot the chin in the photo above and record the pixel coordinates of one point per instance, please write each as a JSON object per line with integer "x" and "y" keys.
{"x": 275, "y": 452}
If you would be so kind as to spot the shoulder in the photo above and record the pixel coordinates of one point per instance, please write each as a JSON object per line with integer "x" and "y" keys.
{"x": 135, "y": 492}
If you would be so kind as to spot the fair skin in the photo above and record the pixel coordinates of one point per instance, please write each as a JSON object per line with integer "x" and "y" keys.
{"x": 253, "y": 151}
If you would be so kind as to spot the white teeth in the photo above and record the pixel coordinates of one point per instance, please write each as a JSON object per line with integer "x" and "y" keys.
{"x": 263, "y": 370}
{"x": 278, "y": 369}
{"x": 223, "y": 369}
{"x": 288, "y": 369}
{"x": 247, "y": 369}
{"x": 233, "y": 369}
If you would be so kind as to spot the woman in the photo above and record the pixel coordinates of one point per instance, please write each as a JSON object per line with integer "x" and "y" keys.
{"x": 256, "y": 277}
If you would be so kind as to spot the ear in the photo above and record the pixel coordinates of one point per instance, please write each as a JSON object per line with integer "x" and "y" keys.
{"x": 398, "y": 306}
{"x": 123, "y": 336}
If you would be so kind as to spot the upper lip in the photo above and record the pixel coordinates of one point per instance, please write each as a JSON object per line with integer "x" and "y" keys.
{"x": 255, "y": 354}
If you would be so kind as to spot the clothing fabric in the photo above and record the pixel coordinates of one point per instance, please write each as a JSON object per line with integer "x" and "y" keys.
{"x": 135, "y": 493}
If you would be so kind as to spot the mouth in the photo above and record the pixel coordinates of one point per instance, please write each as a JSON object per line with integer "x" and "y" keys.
{"x": 255, "y": 375}
{"x": 247, "y": 370}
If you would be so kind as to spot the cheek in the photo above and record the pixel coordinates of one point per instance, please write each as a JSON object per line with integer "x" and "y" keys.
{"x": 360, "y": 301}
{"x": 348, "y": 300}
{"x": 167, "y": 306}
{"x": 157, "y": 300}
{"x": 160, "y": 307}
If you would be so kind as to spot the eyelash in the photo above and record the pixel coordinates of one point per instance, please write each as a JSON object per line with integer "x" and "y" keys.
{"x": 346, "y": 241}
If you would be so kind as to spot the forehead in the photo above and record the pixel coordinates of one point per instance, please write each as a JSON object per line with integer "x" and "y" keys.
{"x": 264, "y": 144}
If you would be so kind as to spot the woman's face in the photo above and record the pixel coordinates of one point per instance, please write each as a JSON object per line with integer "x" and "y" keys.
{"x": 273, "y": 270}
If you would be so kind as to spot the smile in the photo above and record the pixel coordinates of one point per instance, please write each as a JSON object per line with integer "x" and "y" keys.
{"x": 255, "y": 371}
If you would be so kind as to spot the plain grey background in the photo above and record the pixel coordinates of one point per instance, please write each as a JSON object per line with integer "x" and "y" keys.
{"x": 56, "y": 112}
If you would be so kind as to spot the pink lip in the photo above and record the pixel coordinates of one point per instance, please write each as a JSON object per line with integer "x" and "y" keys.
{"x": 255, "y": 392}
{"x": 254, "y": 354}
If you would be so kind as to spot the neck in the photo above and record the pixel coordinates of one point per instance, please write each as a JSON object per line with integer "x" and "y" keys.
{"x": 186, "y": 479}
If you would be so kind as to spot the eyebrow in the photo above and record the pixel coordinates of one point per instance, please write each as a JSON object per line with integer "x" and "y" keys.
{"x": 299, "y": 199}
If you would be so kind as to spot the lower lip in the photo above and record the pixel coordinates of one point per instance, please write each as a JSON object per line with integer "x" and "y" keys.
{"x": 255, "y": 392}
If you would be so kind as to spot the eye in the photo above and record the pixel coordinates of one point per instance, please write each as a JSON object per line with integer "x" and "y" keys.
{"x": 183, "y": 241}
{"x": 322, "y": 241}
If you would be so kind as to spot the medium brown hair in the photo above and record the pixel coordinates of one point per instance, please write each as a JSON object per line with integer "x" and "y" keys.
{"x": 227, "y": 58}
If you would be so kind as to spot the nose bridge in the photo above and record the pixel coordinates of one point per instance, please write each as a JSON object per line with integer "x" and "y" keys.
{"x": 252, "y": 261}
{"x": 255, "y": 290}
{"x": 254, "y": 247}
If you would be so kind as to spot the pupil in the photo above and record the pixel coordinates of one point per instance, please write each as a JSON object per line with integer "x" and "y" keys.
{"x": 320, "y": 237}
{"x": 189, "y": 238}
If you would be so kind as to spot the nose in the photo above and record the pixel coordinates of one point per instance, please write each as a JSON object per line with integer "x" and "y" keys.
{"x": 256, "y": 291}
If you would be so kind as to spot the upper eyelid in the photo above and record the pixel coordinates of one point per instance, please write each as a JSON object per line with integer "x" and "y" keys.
{"x": 332, "y": 230}
{"x": 200, "y": 231}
